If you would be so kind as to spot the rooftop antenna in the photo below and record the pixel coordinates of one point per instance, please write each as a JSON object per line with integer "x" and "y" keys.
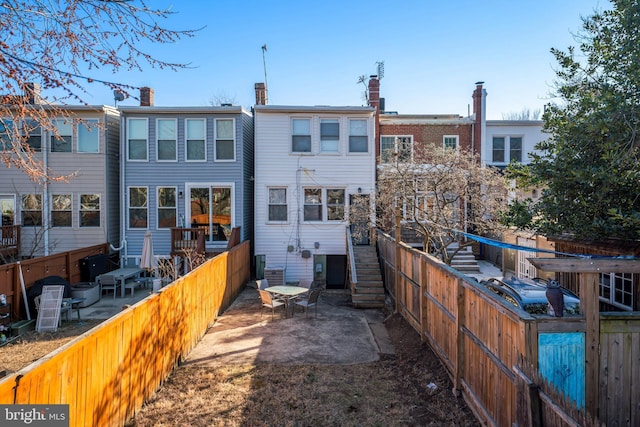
{"x": 380, "y": 65}
{"x": 117, "y": 96}
{"x": 264, "y": 64}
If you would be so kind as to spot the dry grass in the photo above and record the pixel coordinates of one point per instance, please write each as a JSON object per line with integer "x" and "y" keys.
{"x": 32, "y": 345}
{"x": 391, "y": 392}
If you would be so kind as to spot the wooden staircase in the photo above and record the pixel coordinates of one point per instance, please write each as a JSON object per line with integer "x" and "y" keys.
{"x": 464, "y": 261}
{"x": 368, "y": 292}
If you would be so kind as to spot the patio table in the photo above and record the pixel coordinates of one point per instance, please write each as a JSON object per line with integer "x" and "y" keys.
{"x": 287, "y": 293}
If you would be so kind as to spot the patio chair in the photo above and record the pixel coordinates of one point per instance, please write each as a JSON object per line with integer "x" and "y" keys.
{"x": 107, "y": 283}
{"x": 310, "y": 302}
{"x": 262, "y": 284}
{"x": 269, "y": 302}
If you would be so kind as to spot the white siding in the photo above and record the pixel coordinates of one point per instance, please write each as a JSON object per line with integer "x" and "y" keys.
{"x": 529, "y": 130}
{"x": 275, "y": 166}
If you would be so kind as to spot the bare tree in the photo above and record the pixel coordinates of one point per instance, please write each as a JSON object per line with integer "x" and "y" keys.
{"x": 58, "y": 45}
{"x": 222, "y": 98}
{"x": 524, "y": 114}
{"x": 438, "y": 194}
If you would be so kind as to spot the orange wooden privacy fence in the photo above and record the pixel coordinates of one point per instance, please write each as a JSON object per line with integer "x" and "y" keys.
{"x": 106, "y": 374}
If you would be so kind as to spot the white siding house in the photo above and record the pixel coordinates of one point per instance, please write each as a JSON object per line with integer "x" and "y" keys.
{"x": 511, "y": 140}
{"x": 309, "y": 162}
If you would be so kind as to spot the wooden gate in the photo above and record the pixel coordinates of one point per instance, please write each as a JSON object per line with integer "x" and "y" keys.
{"x": 561, "y": 362}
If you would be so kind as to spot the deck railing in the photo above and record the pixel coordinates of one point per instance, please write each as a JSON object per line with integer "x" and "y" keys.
{"x": 185, "y": 240}
{"x": 10, "y": 240}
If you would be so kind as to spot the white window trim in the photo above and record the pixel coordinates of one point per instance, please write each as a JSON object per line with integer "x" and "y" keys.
{"x": 158, "y": 120}
{"x": 215, "y": 140}
{"x": 287, "y": 203}
{"x": 370, "y": 135}
{"x": 187, "y": 210}
{"x": 324, "y": 205}
{"x": 100, "y": 210}
{"x": 395, "y": 144}
{"x": 186, "y": 137}
{"x": 158, "y": 206}
{"x": 126, "y": 135}
{"x": 612, "y": 290}
{"x": 128, "y": 209}
{"x": 311, "y": 126}
{"x": 95, "y": 127}
{"x": 51, "y": 211}
{"x": 51, "y": 133}
{"x": 340, "y": 137}
{"x": 507, "y": 148}
{"x": 457, "y": 138}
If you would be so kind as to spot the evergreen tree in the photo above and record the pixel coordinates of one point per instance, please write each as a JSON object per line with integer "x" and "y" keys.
{"x": 589, "y": 168}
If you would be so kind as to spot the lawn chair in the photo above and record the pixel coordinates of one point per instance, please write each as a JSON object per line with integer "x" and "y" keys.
{"x": 269, "y": 302}
{"x": 310, "y": 302}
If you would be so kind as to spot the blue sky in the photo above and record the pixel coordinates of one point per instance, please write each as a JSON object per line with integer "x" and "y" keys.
{"x": 433, "y": 52}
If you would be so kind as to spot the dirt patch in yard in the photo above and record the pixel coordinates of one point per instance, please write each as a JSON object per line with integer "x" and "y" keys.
{"x": 411, "y": 388}
{"x": 32, "y": 345}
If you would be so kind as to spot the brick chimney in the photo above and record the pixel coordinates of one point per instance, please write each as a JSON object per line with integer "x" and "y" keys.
{"x": 261, "y": 94}
{"x": 479, "y": 128}
{"x": 374, "y": 101}
{"x": 32, "y": 93}
{"x": 146, "y": 97}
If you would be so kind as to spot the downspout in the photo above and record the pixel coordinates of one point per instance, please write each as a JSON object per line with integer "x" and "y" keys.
{"x": 123, "y": 240}
{"x": 45, "y": 200}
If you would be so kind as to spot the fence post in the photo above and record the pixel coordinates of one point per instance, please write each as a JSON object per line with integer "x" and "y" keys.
{"x": 460, "y": 353}
{"x": 528, "y": 405}
{"x": 397, "y": 256}
{"x": 590, "y": 306}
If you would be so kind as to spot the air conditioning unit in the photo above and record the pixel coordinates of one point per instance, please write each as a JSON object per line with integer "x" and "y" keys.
{"x": 274, "y": 275}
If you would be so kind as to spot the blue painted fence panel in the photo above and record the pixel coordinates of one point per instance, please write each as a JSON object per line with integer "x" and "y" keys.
{"x": 561, "y": 362}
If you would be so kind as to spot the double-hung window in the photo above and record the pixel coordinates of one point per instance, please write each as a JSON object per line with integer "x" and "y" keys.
{"x": 396, "y": 147}
{"x": 61, "y": 209}
{"x": 89, "y": 210}
{"x": 358, "y": 138}
{"x": 225, "y": 140}
{"x": 617, "y": 289}
{"x": 32, "y": 132}
{"x": 450, "y": 142}
{"x": 195, "y": 141}
{"x": 324, "y": 204}
{"x": 503, "y": 145}
{"x": 335, "y": 204}
{"x": 515, "y": 149}
{"x": 137, "y": 134}
{"x": 88, "y": 136}
{"x": 498, "y": 149}
{"x": 167, "y": 135}
{"x": 329, "y": 135}
{"x": 61, "y": 136}
{"x": 167, "y": 207}
{"x": 6, "y": 134}
{"x": 301, "y": 136}
{"x": 31, "y": 210}
{"x": 277, "y": 204}
{"x": 313, "y": 204}
{"x": 138, "y": 207}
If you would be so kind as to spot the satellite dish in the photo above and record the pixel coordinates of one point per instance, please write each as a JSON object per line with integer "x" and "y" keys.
{"x": 118, "y": 96}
